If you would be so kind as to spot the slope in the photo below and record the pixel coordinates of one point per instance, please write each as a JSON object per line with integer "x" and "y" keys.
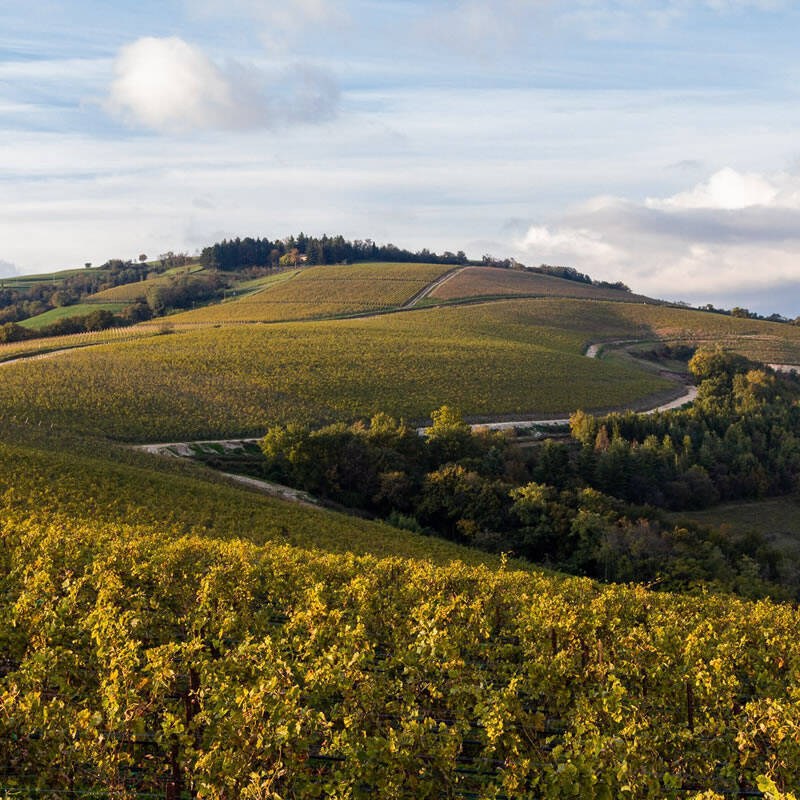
{"x": 160, "y": 635}
{"x": 476, "y": 282}
{"x": 511, "y": 358}
{"x": 328, "y": 291}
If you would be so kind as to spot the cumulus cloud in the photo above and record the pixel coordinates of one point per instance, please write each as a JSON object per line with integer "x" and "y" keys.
{"x": 169, "y": 85}
{"x": 7, "y": 269}
{"x": 567, "y": 243}
{"x": 733, "y": 232}
{"x": 730, "y": 190}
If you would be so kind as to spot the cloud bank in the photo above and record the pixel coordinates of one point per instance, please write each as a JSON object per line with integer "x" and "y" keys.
{"x": 734, "y": 232}
{"x": 171, "y": 86}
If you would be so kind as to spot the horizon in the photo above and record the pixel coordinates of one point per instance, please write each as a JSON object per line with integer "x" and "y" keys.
{"x": 653, "y": 144}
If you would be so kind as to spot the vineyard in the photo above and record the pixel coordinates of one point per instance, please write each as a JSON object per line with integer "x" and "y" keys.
{"x": 212, "y": 383}
{"x": 325, "y": 292}
{"x": 513, "y": 357}
{"x": 150, "y": 646}
{"x": 31, "y": 347}
{"x": 473, "y": 282}
{"x": 166, "y": 633}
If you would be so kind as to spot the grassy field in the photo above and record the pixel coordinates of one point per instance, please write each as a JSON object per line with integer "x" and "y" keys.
{"x": 495, "y": 281}
{"x": 330, "y": 291}
{"x": 77, "y": 310}
{"x": 492, "y": 359}
{"x": 26, "y": 281}
{"x": 776, "y": 517}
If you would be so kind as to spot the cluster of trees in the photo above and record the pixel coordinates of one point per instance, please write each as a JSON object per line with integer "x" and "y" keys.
{"x": 588, "y": 506}
{"x": 20, "y": 301}
{"x": 183, "y": 291}
{"x": 745, "y": 313}
{"x": 236, "y": 254}
{"x": 739, "y": 440}
{"x": 99, "y": 320}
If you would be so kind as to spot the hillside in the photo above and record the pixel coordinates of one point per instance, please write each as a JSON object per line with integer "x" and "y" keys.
{"x": 511, "y": 358}
{"x": 79, "y": 309}
{"x": 161, "y": 588}
{"x": 329, "y": 291}
{"x": 476, "y": 282}
{"x": 136, "y": 292}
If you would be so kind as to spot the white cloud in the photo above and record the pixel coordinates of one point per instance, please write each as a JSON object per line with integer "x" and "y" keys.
{"x": 735, "y": 232}
{"x": 566, "y": 244}
{"x": 169, "y": 85}
{"x": 730, "y": 190}
{"x": 7, "y": 269}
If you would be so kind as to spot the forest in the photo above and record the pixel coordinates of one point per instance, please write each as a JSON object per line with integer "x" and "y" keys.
{"x": 592, "y": 506}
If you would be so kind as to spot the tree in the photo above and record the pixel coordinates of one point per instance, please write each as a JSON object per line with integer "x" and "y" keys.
{"x": 449, "y": 438}
{"x": 142, "y": 258}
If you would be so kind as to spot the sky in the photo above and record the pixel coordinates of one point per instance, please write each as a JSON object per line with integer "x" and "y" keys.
{"x": 649, "y": 141}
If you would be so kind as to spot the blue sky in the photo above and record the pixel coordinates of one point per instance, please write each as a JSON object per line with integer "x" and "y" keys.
{"x": 650, "y": 142}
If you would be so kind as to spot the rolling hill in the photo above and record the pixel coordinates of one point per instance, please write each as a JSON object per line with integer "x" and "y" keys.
{"x": 511, "y": 358}
{"x": 330, "y": 291}
{"x": 164, "y": 631}
{"x": 481, "y": 282}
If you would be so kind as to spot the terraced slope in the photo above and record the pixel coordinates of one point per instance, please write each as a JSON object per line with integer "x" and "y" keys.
{"x": 495, "y": 282}
{"x": 328, "y": 291}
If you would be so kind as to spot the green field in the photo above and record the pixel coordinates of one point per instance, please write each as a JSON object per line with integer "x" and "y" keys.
{"x": 778, "y": 518}
{"x": 489, "y": 360}
{"x": 63, "y": 312}
{"x": 26, "y": 281}
{"x": 317, "y": 292}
